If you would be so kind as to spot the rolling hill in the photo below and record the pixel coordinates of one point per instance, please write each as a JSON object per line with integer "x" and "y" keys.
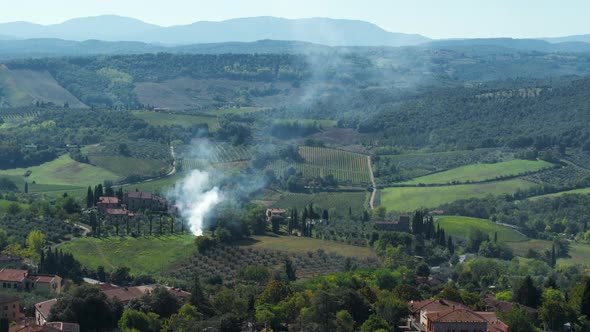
{"x": 116, "y": 28}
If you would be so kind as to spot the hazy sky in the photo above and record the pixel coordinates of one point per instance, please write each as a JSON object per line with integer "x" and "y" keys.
{"x": 432, "y": 18}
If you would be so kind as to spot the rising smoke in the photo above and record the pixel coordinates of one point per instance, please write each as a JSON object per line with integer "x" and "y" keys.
{"x": 196, "y": 197}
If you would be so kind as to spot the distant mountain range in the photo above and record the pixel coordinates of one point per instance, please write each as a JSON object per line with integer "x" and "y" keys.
{"x": 122, "y": 35}
{"x": 331, "y": 32}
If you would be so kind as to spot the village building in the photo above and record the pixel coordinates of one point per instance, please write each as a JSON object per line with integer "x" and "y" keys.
{"x": 42, "y": 310}
{"x": 125, "y": 294}
{"x": 48, "y": 284}
{"x": 143, "y": 200}
{"x": 50, "y": 327}
{"x": 439, "y": 315}
{"x": 14, "y": 279}
{"x": 402, "y": 224}
{"x": 10, "y": 308}
{"x": 106, "y": 203}
{"x": 275, "y": 213}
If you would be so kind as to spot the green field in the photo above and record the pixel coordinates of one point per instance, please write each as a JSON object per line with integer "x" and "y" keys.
{"x": 482, "y": 172}
{"x": 341, "y": 201}
{"x": 579, "y": 252}
{"x": 127, "y": 166}
{"x": 236, "y": 110}
{"x": 183, "y": 120}
{"x": 461, "y": 226}
{"x": 300, "y": 245}
{"x": 143, "y": 255}
{"x": 582, "y": 191}
{"x": 158, "y": 185}
{"x": 321, "y": 123}
{"x": 406, "y": 199}
{"x": 346, "y": 167}
{"x": 4, "y": 205}
{"x": 63, "y": 171}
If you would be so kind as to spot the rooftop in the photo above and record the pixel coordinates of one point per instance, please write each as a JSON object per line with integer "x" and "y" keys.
{"x": 117, "y": 212}
{"x": 108, "y": 200}
{"x": 435, "y": 305}
{"x": 139, "y": 194}
{"x": 44, "y": 279}
{"x": 7, "y": 299}
{"x": 45, "y": 307}
{"x": 456, "y": 316}
{"x": 125, "y": 294}
{"x": 13, "y": 275}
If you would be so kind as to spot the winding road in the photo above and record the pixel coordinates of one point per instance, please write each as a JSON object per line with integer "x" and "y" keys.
{"x": 374, "y": 192}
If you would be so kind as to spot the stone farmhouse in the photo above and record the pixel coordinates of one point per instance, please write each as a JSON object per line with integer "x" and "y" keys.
{"x": 402, "y": 224}
{"x": 439, "y": 315}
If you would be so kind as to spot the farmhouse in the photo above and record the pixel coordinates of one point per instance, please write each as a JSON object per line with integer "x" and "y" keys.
{"x": 439, "y": 315}
{"x": 106, "y": 203}
{"x": 144, "y": 200}
{"x": 48, "y": 284}
{"x": 275, "y": 213}
{"x": 42, "y": 310}
{"x": 402, "y": 224}
{"x": 10, "y": 308}
{"x": 14, "y": 279}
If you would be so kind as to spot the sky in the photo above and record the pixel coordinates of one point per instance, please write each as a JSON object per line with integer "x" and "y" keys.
{"x": 432, "y": 18}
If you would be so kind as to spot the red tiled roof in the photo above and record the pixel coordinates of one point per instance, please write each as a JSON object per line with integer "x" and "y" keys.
{"x": 435, "y": 305}
{"x": 64, "y": 326}
{"x": 108, "y": 200}
{"x": 44, "y": 279}
{"x": 277, "y": 210}
{"x": 125, "y": 294}
{"x": 13, "y": 275}
{"x": 106, "y": 287}
{"x": 45, "y": 307}
{"x": 456, "y": 316}
{"x": 35, "y": 328}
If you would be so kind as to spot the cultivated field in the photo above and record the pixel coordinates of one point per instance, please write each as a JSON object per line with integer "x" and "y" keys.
{"x": 341, "y": 201}
{"x": 64, "y": 171}
{"x": 195, "y": 158}
{"x": 293, "y": 244}
{"x": 581, "y": 191}
{"x": 183, "y": 120}
{"x": 461, "y": 226}
{"x": 143, "y": 255}
{"x": 406, "y": 199}
{"x": 235, "y": 110}
{"x": 127, "y": 166}
{"x": 346, "y": 167}
{"x": 579, "y": 252}
{"x": 482, "y": 172}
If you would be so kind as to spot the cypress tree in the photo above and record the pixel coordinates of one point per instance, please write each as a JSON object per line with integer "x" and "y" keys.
{"x": 553, "y": 258}
{"x": 450, "y": 245}
{"x": 496, "y": 238}
{"x": 585, "y": 303}
{"x": 89, "y": 198}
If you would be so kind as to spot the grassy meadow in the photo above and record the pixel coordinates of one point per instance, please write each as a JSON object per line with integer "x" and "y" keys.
{"x": 581, "y": 191}
{"x": 183, "y": 120}
{"x": 461, "y": 226}
{"x": 63, "y": 171}
{"x": 143, "y": 255}
{"x": 300, "y": 245}
{"x": 406, "y": 199}
{"x": 482, "y": 172}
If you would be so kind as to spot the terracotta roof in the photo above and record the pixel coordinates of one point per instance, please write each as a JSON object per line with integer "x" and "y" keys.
{"x": 45, "y": 279}
{"x": 435, "y": 305}
{"x": 108, "y": 200}
{"x": 456, "y": 316}
{"x": 125, "y": 294}
{"x": 64, "y": 326}
{"x": 13, "y": 275}
{"x": 277, "y": 210}
{"x": 35, "y": 328}
{"x": 45, "y": 307}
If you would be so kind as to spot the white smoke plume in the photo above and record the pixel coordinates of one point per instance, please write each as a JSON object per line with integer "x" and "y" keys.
{"x": 196, "y": 197}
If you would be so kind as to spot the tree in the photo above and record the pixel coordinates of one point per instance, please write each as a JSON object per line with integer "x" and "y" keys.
{"x": 422, "y": 270}
{"x": 274, "y": 292}
{"x": 290, "y": 270}
{"x": 88, "y": 306}
{"x": 13, "y": 208}
{"x": 391, "y": 308}
{"x": 374, "y": 323}
{"x": 518, "y": 319}
{"x": 120, "y": 276}
{"x": 36, "y": 241}
{"x": 553, "y": 258}
{"x": 450, "y": 292}
{"x": 26, "y": 187}
{"x": 527, "y": 294}
{"x": 451, "y": 246}
{"x": 198, "y": 298}
{"x": 344, "y": 321}
{"x": 554, "y": 314}
{"x": 133, "y": 320}
{"x": 89, "y": 198}
{"x": 3, "y": 239}
{"x": 159, "y": 301}
{"x": 264, "y": 316}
